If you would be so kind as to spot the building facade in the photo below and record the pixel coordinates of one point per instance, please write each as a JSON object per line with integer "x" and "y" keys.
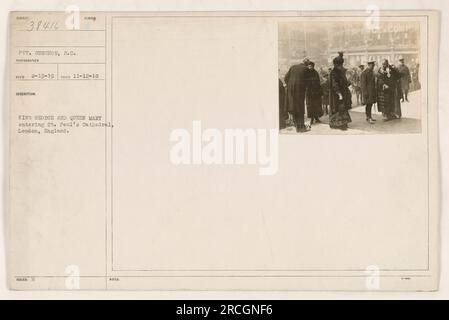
{"x": 320, "y": 41}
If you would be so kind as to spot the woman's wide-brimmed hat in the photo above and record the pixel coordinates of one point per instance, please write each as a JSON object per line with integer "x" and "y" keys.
{"x": 338, "y": 61}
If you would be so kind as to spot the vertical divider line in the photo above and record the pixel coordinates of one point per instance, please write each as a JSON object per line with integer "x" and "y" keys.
{"x": 106, "y": 152}
{"x": 111, "y": 140}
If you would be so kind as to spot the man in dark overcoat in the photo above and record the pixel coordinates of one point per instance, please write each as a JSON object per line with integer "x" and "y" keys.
{"x": 313, "y": 95}
{"x": 369, "y": 93}
{"x": 296, "y": 80}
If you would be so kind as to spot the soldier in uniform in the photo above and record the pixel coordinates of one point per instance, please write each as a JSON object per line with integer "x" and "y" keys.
{"x": 406, "y": 79}
{"x": 325, "y": 90}
{"x": 356, "y": 84}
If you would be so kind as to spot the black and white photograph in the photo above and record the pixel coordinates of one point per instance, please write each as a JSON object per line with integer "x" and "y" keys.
{"x": 349, "y": 77}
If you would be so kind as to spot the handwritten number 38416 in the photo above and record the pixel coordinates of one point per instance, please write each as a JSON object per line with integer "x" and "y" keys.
{"x": 42, "y": 25}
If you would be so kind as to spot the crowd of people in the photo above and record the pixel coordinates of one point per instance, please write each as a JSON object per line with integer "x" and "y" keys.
{"x": 311, "y": 92}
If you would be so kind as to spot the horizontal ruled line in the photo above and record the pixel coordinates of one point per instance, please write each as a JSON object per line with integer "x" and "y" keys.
{"x": 59, "y": 62}
{"x": 59, "y": 79}
{"x": 71, "y": 30}
{"x": 49, "y": 46}
{"x": 236, "y": 276}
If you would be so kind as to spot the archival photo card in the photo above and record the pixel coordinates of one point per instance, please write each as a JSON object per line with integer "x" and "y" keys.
{"x": 224, "y": 151}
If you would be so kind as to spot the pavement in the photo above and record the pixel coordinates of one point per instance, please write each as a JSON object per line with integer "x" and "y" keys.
{"x": 409, "y": 123}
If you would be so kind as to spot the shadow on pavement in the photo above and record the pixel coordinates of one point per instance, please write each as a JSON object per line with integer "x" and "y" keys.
{"x": 360, "y": 126}
{"x": 403, "y": 125}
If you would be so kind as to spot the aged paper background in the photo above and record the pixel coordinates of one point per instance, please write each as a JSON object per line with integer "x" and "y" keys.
{"x": 125, "y": 175}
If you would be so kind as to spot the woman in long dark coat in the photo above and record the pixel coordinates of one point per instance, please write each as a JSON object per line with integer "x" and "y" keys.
{"x": 340, "y": 99}
{"x": 313, "y": 94}
{"x": 389, "y": 91}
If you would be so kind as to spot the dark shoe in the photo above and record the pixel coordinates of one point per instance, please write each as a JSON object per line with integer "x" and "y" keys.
{"x": 370, "y": 121}
{"x": 303, "y": 129}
